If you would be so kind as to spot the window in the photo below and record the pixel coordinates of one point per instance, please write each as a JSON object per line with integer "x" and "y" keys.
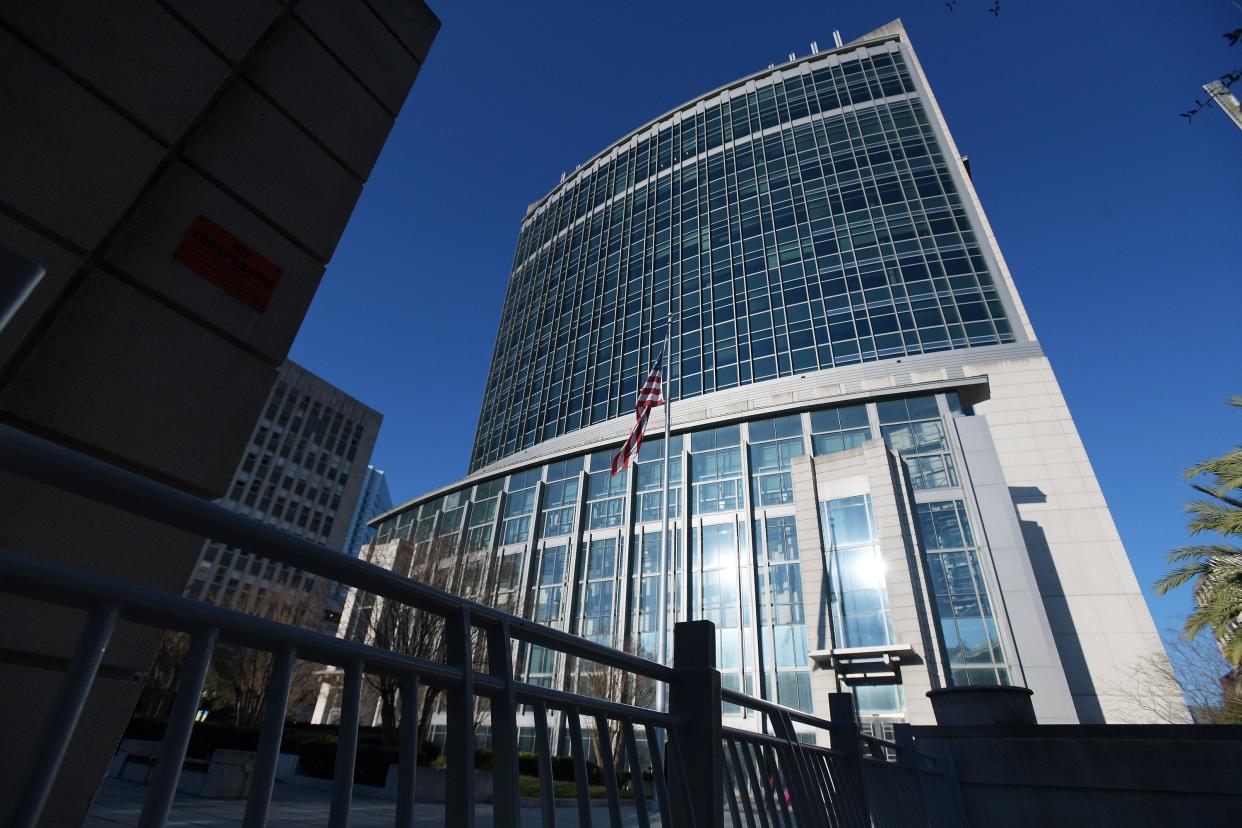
{"x": 773, "y": 445}
{"x": 479, "y": 525}
{"x": 913, "y": 428}
{"x": 716, "y": 470}
{"x": 649, "y": 474}
{"x": 599, "y": 591}
{"x": 971, "y": 640}
{"x": 508, "y": 581}
{"x": 782, "y": 620}
{"x": 646, "y": 574}
{"x": 549, "y": 585}
{"x": 605, "y": 499}
{"x": 723, "y": 594}
{"x": 558, "y": 512}
{"x": 838, "y": 429}
{"x": 860, "y": 605}
{"x": 518, "y": 506}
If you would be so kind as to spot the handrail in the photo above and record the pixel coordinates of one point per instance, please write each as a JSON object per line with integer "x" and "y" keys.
{"x": 768, "y": 740}
{"x": 55, "y": 583}
{"x": 774, "y": 708}
{"x": 45, "y": 462}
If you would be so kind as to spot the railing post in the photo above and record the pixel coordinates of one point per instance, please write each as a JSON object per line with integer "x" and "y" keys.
{"x": 503, "y": 709}
{"x": 694, "y": 695}
{"x": 907, "y": 758}
{"x": 459, "y": 741}
{"x": 845, "y": 740}
{"x": 71, "y": 697}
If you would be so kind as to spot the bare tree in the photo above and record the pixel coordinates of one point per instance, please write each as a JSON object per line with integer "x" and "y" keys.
{"x": 397, "y": 627}
{"x": 616, "y": 685}
{"x": 239, "y": 677}
{"x": 1194, "y": 671}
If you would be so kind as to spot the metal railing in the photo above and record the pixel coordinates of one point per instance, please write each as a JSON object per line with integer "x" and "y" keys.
{"x": 700, "y": 770}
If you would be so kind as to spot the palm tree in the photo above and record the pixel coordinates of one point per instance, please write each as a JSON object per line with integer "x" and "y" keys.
{"x": 1214, "y": 568}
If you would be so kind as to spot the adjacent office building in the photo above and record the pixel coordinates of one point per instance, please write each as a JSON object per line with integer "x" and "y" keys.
{"x": 374, "y": 499}
{"x": 304, "y": 471}
{"x": 876, "y": 485}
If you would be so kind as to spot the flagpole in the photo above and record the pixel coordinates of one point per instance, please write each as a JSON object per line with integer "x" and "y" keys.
{"x": 665, "y": 540}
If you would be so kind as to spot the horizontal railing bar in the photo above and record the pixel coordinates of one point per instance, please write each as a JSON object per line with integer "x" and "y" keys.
{"x": 776, "y": 709}
{"x": 561, "y": 700}
{"x": 66, "y": 586}
{"x": 876, "y": 760}
{"x": 768, "y": 739}
{"x": 71, "y": 587}
{"x": 45, "y": 462}
{"x": 533, "y": 633}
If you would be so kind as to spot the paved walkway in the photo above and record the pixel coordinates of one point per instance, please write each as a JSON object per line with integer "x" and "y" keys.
{"x": 119, "y": 803}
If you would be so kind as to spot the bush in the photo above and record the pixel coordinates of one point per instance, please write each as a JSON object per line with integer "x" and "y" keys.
{"x": 205, "y": 739}
{"x": 528, "y": 764}
{"x": 428, "y": 754}
{"x": 317, "y": 758}
{"x": 482, "y": 759}
{"x": 371, "y": 764}
{"x": 563, "y": 770}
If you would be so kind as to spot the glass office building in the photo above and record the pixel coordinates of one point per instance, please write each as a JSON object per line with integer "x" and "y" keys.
{"x": 875, "y": 484}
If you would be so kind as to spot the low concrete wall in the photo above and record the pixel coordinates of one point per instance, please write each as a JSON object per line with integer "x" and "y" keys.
{"x": 225, "y": 776}
{"x": 1096, "y": 775}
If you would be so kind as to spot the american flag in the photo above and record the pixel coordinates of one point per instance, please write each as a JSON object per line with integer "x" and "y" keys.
{"x": 649, "y": 397}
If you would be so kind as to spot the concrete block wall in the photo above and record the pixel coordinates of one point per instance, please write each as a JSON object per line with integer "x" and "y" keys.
{"x": 1088, "y": 775}
{"x": 124, "y": 122}
{"x": 1093, "y": 601}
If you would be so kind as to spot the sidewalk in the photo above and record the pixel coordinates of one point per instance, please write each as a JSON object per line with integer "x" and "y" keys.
{"x": 118, "y": 803}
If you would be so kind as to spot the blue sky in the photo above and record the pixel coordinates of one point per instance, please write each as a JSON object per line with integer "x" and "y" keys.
{"x": 1119, "y": 222}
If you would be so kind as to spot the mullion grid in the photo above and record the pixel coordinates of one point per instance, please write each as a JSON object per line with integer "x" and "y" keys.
{"x": 614, "y": 185}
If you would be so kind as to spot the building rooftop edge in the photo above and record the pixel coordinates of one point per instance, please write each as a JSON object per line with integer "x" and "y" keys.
{"x": 893, "y": 29}
{"x": 299, "y": 366}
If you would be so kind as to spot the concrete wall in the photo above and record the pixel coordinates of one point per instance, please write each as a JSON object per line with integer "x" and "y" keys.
{"x": 123, "y": 123}
{"x": 1093, "y": 601}
{"x": 1092, "y": 775}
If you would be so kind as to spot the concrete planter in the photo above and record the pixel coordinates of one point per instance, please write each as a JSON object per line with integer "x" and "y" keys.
{"x": 1000, "y": 705}
{"x": 225, "y": 776}
{"x": 286, "y": 766}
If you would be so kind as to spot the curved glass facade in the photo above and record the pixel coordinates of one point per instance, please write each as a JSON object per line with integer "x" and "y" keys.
{"x": 572, "y": 546}
{"x": 801, "y": 220}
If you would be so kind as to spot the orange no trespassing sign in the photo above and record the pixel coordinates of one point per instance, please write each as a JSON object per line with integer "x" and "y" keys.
{"x": 219, "y": 257}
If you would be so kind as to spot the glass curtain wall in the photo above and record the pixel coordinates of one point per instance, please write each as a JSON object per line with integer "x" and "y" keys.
{"x": 786, "y": 230}
{"x": 967, "y": 626}
{"x": 743, "y": 570}
{"x": 782, "y": 613}
{"x": 861, "y": 613}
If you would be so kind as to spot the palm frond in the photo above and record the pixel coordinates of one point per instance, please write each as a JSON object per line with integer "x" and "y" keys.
{"x": 1221, "y": 496}
{"x": 1226, "y": 471}
{"x": 1204, "y": 550}
{"x": 1207, "y": 516}
{"x": 1178, "y": 577}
